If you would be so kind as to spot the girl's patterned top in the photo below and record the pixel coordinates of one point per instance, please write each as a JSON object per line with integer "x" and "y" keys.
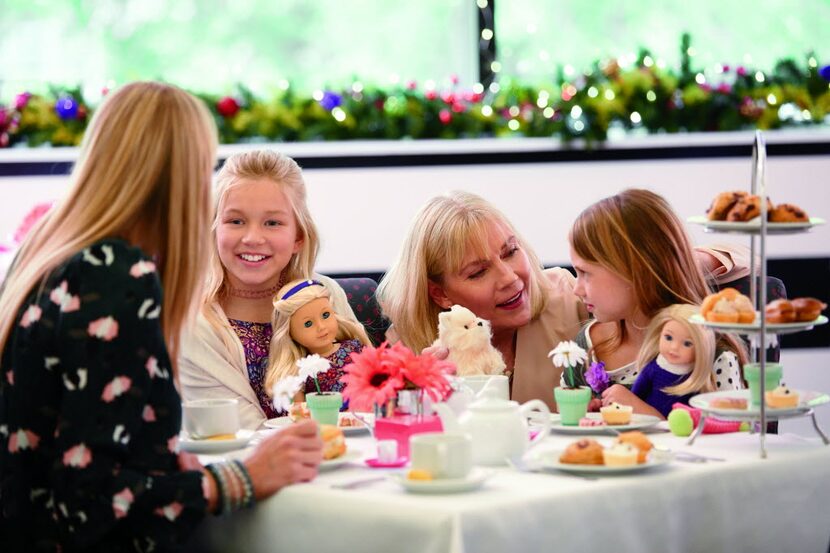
{"x": 90, "y": 416}
{"x": 330, "y": 380}
{"x": 256, "y": 341}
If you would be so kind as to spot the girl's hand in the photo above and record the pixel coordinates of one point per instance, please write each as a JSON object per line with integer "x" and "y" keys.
{"x": 594, "y": 404}
{"x": 289, "y": 456}
{"x": 624, "y": 396}
{"x": 189, "y": 461}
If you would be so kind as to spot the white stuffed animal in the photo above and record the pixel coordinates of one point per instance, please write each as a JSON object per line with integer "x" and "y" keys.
{"x": 468, "y": 340}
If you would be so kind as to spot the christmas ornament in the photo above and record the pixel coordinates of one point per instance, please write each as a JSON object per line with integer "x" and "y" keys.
{"x": 227, "y": 107}
{"x": 66, "y": 107}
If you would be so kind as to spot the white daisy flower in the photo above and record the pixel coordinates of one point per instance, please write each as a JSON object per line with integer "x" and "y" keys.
{"x": 312, "y": 365}
{"x": 567, "y": 354}
{"x": 284, "y": 391}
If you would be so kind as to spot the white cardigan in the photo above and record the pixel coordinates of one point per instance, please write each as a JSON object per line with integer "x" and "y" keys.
{"x": 208, "y": 369}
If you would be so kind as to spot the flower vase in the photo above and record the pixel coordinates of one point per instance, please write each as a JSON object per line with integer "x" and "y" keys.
{"x": 404, "y": 420}
{"x": 324, "y": 407}
{"x": 772, "y": 377}
{"x": 572, "y": 404}
{"x": 411, "y": 402}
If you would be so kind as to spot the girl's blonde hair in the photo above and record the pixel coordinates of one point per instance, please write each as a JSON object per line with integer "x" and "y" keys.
{"x": 637, "y": 236}
{"x": 285, "y": 352}
{"x": 446, "y": 230}
{"x": 287, "y": 177}
{"x": 701, "y": 379}
{"x": 143, "y": 171}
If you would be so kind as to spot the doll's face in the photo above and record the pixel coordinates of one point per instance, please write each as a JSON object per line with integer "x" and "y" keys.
{"x": 257, "y": 234}
{"x": 314, "y": 327}
{"x": 676, "y": 344}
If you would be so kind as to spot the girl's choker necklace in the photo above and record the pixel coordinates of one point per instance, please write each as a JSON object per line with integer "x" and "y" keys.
{"x": 254, "y": 294}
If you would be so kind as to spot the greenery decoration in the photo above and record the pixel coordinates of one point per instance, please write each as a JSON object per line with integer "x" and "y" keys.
{"x": 606, "y": 97}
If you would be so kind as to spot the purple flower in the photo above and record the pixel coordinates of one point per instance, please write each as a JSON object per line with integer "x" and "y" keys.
{"x": 21, "y": 100}
{"x": 66, "y": 107}
{"x": 330, "y": 100}
{"x": 825, "y": 72}
{"x": 597, "y": 378}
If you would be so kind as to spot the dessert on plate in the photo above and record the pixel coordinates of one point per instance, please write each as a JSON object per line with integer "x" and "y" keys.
{"x": 638, "y": 440}
{"x": 782, "y": 398}
{"x": 740, "y": 206}
{"x": 780, "y": 312}
{"x": 808, "y": 309}
{"x": 334, "y": 444}
{"x": 616, "y": 413}
{"x": 583, "y": 452}
{"x": 620, "y": 455}
{"x": 727, "y": 306}
{"x": 729, "y": 403}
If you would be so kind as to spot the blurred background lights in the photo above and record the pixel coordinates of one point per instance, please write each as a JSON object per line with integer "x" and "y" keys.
{"x": 576, "y": 112}
{"x": 513, "y": 125}
{"x": 486, "y": 111}
{"x": 593, "y": 92}
{"x": 339, "y": 114}
{"x": 635, "y": 118}
{"x": 651, "y": 96}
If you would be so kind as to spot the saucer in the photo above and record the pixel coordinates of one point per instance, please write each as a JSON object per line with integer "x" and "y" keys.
{"x": 347, "y": 457}
{"x": 282, "y": 422}
{"x": 397, "y": 463}
{"x": 549, "y": 459}
{"x": 186, "y": 443}
{"x": 472, "y": 481}
{"x": 638, "y": 422}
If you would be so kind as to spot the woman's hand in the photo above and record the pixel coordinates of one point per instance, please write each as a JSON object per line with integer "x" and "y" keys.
{"x": 289, "y": 456}
{"x": 624, "y": 396}
{"x": 439, "y": 352}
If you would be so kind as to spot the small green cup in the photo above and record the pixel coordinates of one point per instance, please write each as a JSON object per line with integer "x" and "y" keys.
{"x": 772, "y": 376}
{"x": 572, "y": 404}
{"x": 325, "y": 407}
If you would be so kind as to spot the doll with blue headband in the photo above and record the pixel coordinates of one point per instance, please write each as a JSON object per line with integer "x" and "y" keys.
{"x": 305, "y": 323}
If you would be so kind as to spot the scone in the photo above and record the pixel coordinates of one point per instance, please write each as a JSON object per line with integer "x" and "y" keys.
{"x": 583, "y": 452}
{"x": 619, "y": 455}
{"x": 780, "y": 312}
{"x": 723, "y": 312}
{"x": 787, "y": 213}
{"x": 747, "y": 208}
{"x": 638, "y": 440}
{"x": 616, "y": 413}
{"x": 782, "y": 398}
{"x": 808, "y": 309}
{"x": 722, "y": 203}
{"x": 334, "y": 444}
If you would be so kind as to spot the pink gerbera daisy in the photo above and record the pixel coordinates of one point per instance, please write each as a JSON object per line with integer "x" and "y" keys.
{"x": 424, "y": 371}
{"x": 372, "y": 378}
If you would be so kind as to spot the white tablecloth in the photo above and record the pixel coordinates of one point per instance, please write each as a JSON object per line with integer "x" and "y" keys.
{"x": 743, "y": 504}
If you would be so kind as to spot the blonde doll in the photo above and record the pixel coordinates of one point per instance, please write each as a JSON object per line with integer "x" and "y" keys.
{"x": 304, "y": 323}
{"x": 675, "y": 360}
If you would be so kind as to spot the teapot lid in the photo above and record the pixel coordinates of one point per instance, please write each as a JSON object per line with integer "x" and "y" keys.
{"x": 488, "y": 400}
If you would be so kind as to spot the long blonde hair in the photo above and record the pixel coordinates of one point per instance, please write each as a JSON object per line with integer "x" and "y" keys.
{"x": 287, "y": 177}
{"x": 636, "y": 235}
{"x": 143, "y": 170}
{"x": 701, "y": 379}
{"x": 285, "y": 352}
{"x": 446, "y": 230}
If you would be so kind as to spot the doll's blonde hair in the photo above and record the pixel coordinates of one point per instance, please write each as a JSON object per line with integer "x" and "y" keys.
{"x": 446, "y": 230}
{"x": 285, "y": 352}
{"x": 637, "y": 235}
{"x": 701, "y": 378}
{"x": 144, "y": 167}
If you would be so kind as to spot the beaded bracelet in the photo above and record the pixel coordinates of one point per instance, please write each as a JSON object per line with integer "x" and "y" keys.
{"x": 237, "y": 488}
{"x": 223, "y": 501}
{"x": 248, "y": 499}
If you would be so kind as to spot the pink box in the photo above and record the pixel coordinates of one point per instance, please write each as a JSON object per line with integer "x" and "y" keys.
{"x": 401, "y": 427}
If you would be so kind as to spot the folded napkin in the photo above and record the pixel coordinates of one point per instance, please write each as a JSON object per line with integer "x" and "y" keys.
{"x": 712, "y": 425}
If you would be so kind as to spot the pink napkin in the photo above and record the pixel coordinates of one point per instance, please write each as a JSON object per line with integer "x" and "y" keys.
{"x": 712, "y": 425}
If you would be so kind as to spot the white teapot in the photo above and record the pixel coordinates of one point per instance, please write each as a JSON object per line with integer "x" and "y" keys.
{"x": 498, "y": 427}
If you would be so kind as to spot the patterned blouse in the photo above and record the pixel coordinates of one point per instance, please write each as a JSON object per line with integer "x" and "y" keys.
{"x": 330, "y": 380}
{"x": 256, "y": 341}
{"x": 90, "y": 416}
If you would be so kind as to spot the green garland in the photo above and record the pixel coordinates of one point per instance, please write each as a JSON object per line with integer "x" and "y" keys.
{"x": 586, "y": 107}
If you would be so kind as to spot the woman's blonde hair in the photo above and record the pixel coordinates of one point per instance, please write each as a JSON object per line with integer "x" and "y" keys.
{"x": 636, "y": 235}
{"x": 444, "y": 232}
{"x": 143, "y": 172}
{"x": 285, "y": 352}
{"x": 701, "y": 378}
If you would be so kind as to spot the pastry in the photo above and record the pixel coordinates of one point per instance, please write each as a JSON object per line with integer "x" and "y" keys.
{"x": 728, "y": 403}
{"x": 638, "y": 440}
{"x": 585, "y": 421}
{"x": 334, "y": 444}
{"x": 722, "y": 203}
{"x": 782, "y": 398}
{"x": 747, "y": 208}
{"x": 298, "y": 411}
{"x": 787, "y": 213}
{"x": 727, "y": 306}
{"x": 780, "y": 311}
{"x": 616, "y": 413}
{"x": 808, "y": 309}
{"x": 746, "y": 312}
{"x": 583, "y": 452}
{"x": 619, "y": 455}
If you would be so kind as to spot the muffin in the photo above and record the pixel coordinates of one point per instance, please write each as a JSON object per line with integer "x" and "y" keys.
{"x": 334, "y": 444}
{"x": 787, "y": 213}
{"x": 638, "y": 440}
{"x": 782, "y": 398}
{"x": 722, "y": 203}
{"x": 616, "y": 413}
{"x": 747, "y": 208}
{"x": 620, "y": 455}
{"x": 582, "y": 452}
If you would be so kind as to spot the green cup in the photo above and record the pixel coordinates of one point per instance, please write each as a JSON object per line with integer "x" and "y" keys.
{"x": 772, "y": 376}
{"x": 325, "y": 407}
{"x": 572, "y": 404}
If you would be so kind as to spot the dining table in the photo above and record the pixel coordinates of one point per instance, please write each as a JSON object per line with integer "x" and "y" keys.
{"x": 715, "y": 495}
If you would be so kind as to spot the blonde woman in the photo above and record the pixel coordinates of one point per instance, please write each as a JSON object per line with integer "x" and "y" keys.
{"x": 305, "y": 323}
{"x": 263, "y": 236}
{"x": 89, "y": 410}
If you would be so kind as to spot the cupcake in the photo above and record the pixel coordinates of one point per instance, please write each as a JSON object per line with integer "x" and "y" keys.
{"x": 616, "y": 413}
{"x": 582, "y": 452}
{"x": 619, "y": 455}
{"x": 638, "y": 440}
{"x": 782, "y": 398}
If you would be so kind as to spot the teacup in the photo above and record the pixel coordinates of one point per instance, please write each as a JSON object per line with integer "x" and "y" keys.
{"x": 497, "y": 382}
{"x": 442, "y": 455}
{"x": 204, "y": 418}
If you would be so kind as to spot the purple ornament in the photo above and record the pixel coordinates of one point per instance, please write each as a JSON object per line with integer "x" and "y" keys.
{"x": 66, "y": 107}
{"x": 597, "y": 378}
{"x": 22, "y": 100}
{"x": 330, "y": 100}
{"x": 825, "y": 72}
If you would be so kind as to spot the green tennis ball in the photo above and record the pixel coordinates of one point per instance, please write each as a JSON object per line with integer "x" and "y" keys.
{"x": 680, "y": 422}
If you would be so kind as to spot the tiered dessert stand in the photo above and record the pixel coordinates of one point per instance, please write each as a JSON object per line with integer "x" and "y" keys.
{"x": 757, "y": 331}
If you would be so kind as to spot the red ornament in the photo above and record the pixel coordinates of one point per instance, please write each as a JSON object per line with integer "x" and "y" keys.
{"x": 458, "y": 107}
{"x": 445, "y": 116}
{"x": 724, "y": 88}
{"x": 448, "y": 98}
{"x": 454, "y": 78}
{"x": 411, "y": 85}
{"x": 430, "y": 95}
{"x": 82, "y": 113}
{"x": 227, "y": 107}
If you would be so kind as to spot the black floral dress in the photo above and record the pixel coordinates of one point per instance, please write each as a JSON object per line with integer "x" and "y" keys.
{"x": 90, "y": 416}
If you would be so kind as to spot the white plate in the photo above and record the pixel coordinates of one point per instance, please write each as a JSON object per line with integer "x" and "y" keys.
{"x": 282, "y": 422}
{"x": 772, "y": 328}
{"x": 348, "y": 457}
{"x": 186, "y": 443}
{"x": 549, "y": 459}
{"x": 753, "y": 226}
{"x": 473, "y": 481}
{"x": 806, "y": 400}
{"x": 638, "y": 422}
